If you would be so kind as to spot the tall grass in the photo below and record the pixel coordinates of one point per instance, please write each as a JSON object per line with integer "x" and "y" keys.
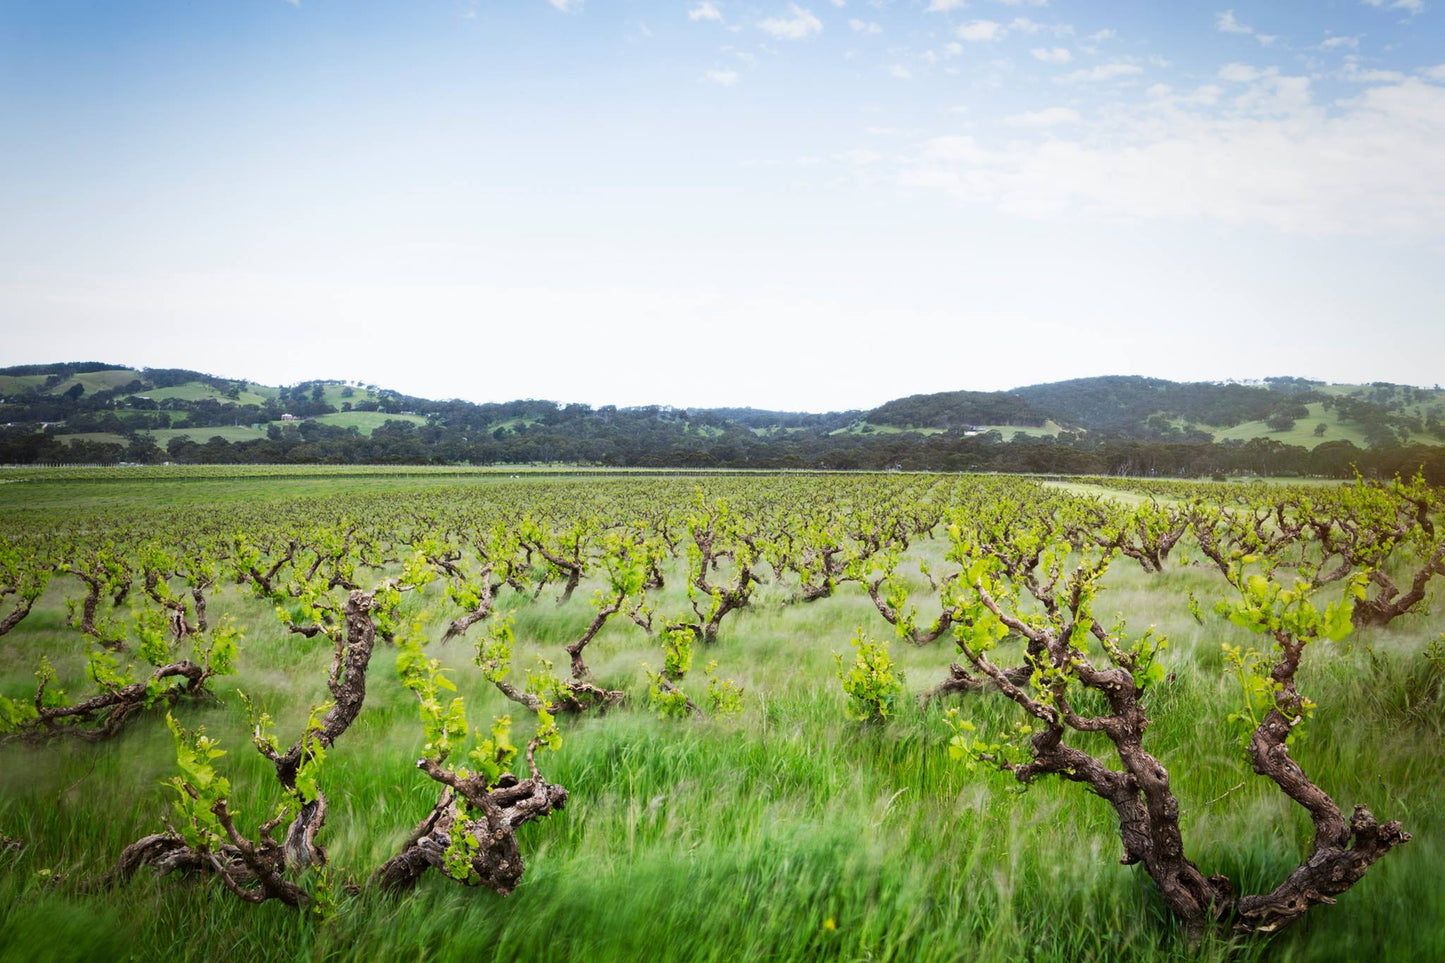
{"x": 784, "y": 833}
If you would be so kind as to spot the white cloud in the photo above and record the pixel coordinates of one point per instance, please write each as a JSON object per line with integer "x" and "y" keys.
{"x": 1334, "y": 43}
{"x": 1370, "y": 165}
{"x": 943, "y": 6}
{"x": 989, "y": 30}
{"x": 725, "y": 78}
{"x": 953, "y": 48}
{"x": 799, "y": 25}
{"x": 1099, "y": 36}
{"x": 705, "y": 11}
{"x": 1024, "y": 3}
{"x": 1352, "y": 72}
{"x": 981, "y": 31}
{"x": 900, "y": 71}
{"x": 566, "y": 6}
{"x": 1411, "y": 7}
{"x": 1025, "y": 25}
{"x": 1102, "y": 72}
{"x": 1266, "y": 92}
{"x": 1240, "y": 73}
{"x": 1435, "y": 73}
{"x": 863, "y": 26}
{"x": 1227, "y": 23}
{"x": 1206, "y": 96}
{"x": 1048, "y": 117}
{"x": 1057, "y": 55}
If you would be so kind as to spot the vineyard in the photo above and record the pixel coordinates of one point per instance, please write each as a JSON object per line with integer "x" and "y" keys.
{"x": 363, "y": 713}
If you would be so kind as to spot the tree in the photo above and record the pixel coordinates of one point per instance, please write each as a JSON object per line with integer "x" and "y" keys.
{"x": 1081, "y": 664}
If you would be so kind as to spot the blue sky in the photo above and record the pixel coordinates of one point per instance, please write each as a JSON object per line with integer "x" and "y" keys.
{"x": 803, "y": 205}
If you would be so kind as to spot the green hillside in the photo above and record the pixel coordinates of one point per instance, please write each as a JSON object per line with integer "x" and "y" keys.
{"x": 365, "y": 421}
{"x": 202, "y": 435}
{"x": 96, "y": 412}
{"x": 1304, "y": 431}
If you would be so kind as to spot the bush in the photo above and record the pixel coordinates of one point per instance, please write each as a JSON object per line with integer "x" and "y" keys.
{"x": 871, "y": 683}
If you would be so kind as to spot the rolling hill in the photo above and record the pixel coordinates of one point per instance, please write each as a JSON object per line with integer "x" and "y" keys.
{"x": 92, "y": 411}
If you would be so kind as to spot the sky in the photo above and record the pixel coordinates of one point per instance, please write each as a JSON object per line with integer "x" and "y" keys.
{"x": 815, "y": 206}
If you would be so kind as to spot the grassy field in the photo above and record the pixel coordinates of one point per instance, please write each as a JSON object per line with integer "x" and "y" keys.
{"x": 1049, "y": 429}
{"x": 161, "y": 436}
{"x": 1303, "y": 432}
{"x": 335, "y": 395}
{"x": 787, "y": 832}
{"x": 104, "y": 437}
{"x": 94, "y": 381}
{"x": 200, "y": 391}
{"x": 364, "y": 421}
{"x": 10, "y": 384}
{"x": 865, "y": 428}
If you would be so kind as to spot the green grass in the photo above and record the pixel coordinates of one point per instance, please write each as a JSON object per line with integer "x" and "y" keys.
{"x": 94, "y": 381}
{"x": 867, "y": 428}
{"x": 512, "y": 424}
{"x": 137, "y": 413}
{"x": 10, "y": 384}
{"x": 735, "y": 838}
{"x": 104, "y": 437}
{"x": 161, "y": 436}
{"x": 333, "y": 394}
{"x": 200, "y": 391}
{"x": 1049, "y": 429}
{"x": 1303, "y": 432}
{"x": 364, "y": 421}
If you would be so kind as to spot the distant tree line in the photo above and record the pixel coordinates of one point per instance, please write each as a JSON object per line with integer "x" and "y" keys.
{"x": 1127, "y": 425}
{"x": 653, "y": 443}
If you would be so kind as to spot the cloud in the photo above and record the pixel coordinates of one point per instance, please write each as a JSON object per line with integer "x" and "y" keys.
{"x": 725, "y": 78}
{"x": 1411, "y": 7}
{"x": 705, "y": 11}
{"x": 1057, "y": 55}
{"x": 1099, "y": 36}
{"x": 1048, "y": 117}
{"x": 944, "y": 6}
{"x": 863, "y": 26}
{"x": 1372, "y": 165}
{"x": 1353, "y": 73}
{"x": 1226, "y": 23}
{"x": 1101, "y": 72}
{"x": 900, "y": 71}
{"x": 1435, "y": 73}
{"x": 980, "y": 31}
{"x": 1240, "y": 73}
{"x": 1334, "y": 43}
{"x": 566, "y": 6}
{"x": 799, "y": 25}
